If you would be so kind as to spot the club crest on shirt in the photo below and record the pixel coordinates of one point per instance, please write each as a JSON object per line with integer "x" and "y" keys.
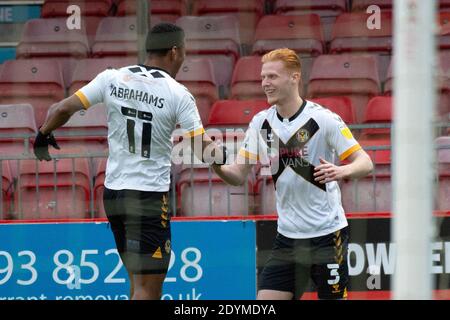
{"x": 302, "y": 135}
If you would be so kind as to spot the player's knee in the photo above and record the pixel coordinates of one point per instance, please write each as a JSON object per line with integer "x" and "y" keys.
{"x": 143, "y": 294}
{"x": 148, "y": 286}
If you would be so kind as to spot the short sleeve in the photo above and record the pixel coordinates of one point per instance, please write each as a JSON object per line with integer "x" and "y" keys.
{"x": 188, "y": 117}
{"x": 93, "y": 92}
{"x": 252, "y": 147}
{"x": 340, "y": 137}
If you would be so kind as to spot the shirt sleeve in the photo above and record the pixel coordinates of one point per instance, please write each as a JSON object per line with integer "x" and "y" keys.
{"x": 188, "y": 117}
{"x": 253, "y": 147}
{"x": 340, "y": 137}
{"x": 93, "y": 92}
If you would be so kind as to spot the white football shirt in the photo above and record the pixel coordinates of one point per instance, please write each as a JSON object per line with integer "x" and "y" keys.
{"x": 144, "y": 104}
{"x": 292, "y": 147}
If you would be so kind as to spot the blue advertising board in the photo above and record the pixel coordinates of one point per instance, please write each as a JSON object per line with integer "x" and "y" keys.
{"x": 78, "y": 261}
{"x": 7, "y": 53}
{"x": 19, "y": 13}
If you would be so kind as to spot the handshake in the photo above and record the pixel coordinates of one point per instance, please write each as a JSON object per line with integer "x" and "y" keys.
{"x": 42, "y": 141}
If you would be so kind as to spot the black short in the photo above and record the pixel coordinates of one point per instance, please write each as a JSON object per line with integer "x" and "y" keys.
{"x": 293, "y": 262}
{"x": 140, "y": 222}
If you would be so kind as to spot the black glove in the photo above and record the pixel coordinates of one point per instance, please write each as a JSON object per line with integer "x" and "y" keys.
{"x": 41, "y": 143}
{"x": 224, "y": 157}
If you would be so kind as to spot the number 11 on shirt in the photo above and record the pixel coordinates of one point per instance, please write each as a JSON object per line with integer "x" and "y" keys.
{"x": 146, "y": 138}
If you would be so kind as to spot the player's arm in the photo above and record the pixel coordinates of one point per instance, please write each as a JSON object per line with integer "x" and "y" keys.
{"x": 216, "y": 154}
{"x": 340, "y": 139}
{"x": 360, "y": 165}
{"x": 57, "y": 116}
{"x": 203, "y": 147}
{"x": 60, "y": 113}
{"x": 234, "y": 174}
{"x": 206, "y": 150}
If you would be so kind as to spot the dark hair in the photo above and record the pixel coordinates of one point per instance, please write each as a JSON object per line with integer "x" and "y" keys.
{"x": 162, "y": 37}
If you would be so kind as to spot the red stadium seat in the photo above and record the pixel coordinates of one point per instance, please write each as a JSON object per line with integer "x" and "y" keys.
{"x": 339, "y": 105}
{"x": 444, "y": 30}
{"x": 246, "y": 80}
{"x": 352, "y": 35}
{"x": 58, "y": 8}
{"x": 197, "y": 187}
{"x": 6, "y": 189}
{"x": 90, "y": 14}
{"x": 16, "y": 120}
{"x": 354, "y": 76}
{"x": 374, "y": 192}
{"x": 380, "y": 156}
{"x": 164, "y": 10}
{"x": 197, "y": 75}
{"x": 116, "y": 36}
{"x": 443, "y": 84}
{"x": 247, "y": 12}
{"x": 378, "y": 110}
{"x": 235, "y": 113}
{"x": 211, "y": 34}
{"x": 36, "y": 82}
{"x": 443, "y": 160}
{"x": 43, "y": 193}
{"x": 52, "y": 38}
{"x": 265, "y": 196}
{"x": 328, "y": 10}
{"x": 303, "y": 34}
{"x": 214, "y": 37}
{"x": 389, "y": 81}
{"x": 86, "y": 128}
{"x": 444, "y": 18}
{"x": 444, "y": 5}
{"x": 362, "y": 5}
{"x": 300, "y": 33}
{"x": 87, "y": 69}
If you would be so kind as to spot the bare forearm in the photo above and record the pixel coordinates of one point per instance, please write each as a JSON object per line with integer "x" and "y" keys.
{"x": 231, "y": 174}
{"x": 56, "y": 118}
{"x": 361, "y": 167}
{"x": 205, "y": 149}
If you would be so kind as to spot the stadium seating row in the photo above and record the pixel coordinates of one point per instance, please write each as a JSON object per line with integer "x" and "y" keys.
{"x": 305, "y": 32}
{"x": 70, "y": 188}
{"x": 40, "y": 82}
{"x": 176, "y": 8}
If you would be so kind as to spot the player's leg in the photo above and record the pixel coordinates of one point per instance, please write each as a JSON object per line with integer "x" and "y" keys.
{"x": 115, "y": 213}
{"x": 148, "y": 245}
{"x": 131, "y": 278}
{"x": 276, "y": 281}
{"x": 330, "y": 270}
{"x": 265, "y": 294}
{"x": 148, "y": 286}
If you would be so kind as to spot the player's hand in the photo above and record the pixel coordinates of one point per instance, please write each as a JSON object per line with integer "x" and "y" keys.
{"x": 41, "y": 144}
{"x": 327, "y": 171}
{"x": 220, "y": 158}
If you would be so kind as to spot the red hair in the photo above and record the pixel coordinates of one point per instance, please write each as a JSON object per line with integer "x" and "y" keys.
{"x": 289, "y": 58}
